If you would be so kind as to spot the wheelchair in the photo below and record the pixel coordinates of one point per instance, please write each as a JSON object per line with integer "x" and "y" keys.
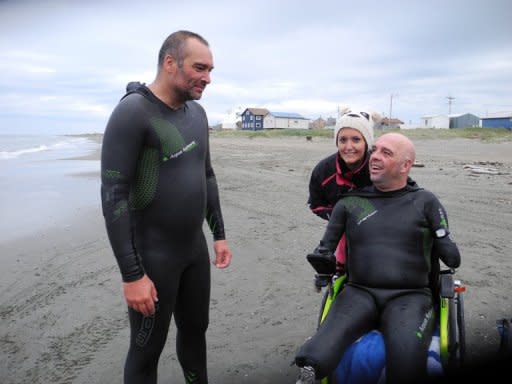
{"x": 448, "y": 294}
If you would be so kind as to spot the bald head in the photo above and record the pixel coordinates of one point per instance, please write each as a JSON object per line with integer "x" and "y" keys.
{"x": 402, "y": 144}
{"x": 392, "y": 158}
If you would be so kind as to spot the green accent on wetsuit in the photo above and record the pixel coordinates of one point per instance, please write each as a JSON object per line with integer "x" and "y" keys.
{"x": 170, "y": 138}
{"x": 190, "y": 377}
{"x": 111, "y": 174}
{"x": 120, "y": 210}
{"x": 359, "y": 207}
{"x": 146, "y": 179}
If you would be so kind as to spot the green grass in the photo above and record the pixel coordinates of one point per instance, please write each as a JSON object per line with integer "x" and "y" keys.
{"x": 274, "y": 133}
{"x": 483, "y": 134}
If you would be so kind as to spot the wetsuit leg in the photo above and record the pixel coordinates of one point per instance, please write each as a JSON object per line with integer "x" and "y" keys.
{"x": 352, "y": 314}
{"x": 407, "y": 326}
{"x": 147, "y": 340}
{"x": 164, "y": 267}
{"x": 191, "y": 316}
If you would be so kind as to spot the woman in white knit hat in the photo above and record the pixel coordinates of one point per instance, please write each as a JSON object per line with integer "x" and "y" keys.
{"x": 344, "y": 170}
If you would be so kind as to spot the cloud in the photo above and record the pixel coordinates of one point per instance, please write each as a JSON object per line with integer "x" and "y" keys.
{"x": 74, "y": 59}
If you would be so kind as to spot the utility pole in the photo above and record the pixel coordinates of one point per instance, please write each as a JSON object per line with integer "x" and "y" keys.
{"x": 450, "y": 99}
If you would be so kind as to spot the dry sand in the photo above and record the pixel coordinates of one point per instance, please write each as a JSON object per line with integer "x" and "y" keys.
{"x": 61, "y": 307}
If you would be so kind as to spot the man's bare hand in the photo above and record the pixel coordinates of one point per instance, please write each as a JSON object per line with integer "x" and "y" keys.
{"x": 222, "y": 254}
{"x": 141, "y": 295}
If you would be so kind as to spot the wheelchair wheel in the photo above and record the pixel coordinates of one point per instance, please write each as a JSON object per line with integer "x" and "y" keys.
{"x": 456, "y": 346}
{"x": 453, "y": 334}
{"x": 461, "y": 325}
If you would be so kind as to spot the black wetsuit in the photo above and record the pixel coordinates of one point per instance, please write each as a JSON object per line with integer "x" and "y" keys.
{"x": 390, "y": 239}
{"x": 158, "y": 187}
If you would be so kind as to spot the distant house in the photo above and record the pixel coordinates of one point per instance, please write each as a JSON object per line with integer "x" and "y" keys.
{"x": 391, "y": 123}
{"x": 436, "y": 121}
{"x": 318, "y": 124}
{"x": 464, "y": 120}
{"x": 497, "y": 120}
{"x": 256, "y": 119}
{"x": 252, "y": 118}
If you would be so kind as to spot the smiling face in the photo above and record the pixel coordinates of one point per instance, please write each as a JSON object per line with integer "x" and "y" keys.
{"x": 351, "y": 146}
{"x": 191, "y": 75}
{"x": 390, "y": 162}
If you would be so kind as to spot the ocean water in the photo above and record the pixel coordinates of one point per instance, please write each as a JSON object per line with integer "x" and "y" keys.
{"x": 41, "y": 185}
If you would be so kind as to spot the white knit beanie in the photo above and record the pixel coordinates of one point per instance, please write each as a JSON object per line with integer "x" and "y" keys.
{"x": 361, "y": 121}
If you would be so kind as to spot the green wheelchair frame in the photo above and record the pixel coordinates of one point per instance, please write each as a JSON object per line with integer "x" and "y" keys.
{"x": 449, "y": 309}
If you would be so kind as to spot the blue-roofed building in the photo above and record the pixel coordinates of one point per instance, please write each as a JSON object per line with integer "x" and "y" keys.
{"x": 497, "y": 120}
{"x": 260, "y": 118}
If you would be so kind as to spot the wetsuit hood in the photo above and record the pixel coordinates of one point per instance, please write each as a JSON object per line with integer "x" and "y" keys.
{"x": 140, "y": 88}
{"x": 143, "y": 90}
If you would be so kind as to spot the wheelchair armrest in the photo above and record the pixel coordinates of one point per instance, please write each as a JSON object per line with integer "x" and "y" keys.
{"x": 323, "y": 263}
{"x": 447, "y": 288}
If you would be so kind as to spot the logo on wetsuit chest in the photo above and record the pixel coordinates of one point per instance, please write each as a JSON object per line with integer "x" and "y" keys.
{"x": 171, "y": 140}
{"x": 186, "y": 148}
{"x": 361, "y": 208}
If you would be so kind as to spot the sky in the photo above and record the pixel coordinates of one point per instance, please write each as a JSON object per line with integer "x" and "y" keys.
{"x": 64, "y": 64}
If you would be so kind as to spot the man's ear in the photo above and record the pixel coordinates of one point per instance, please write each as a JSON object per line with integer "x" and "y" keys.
{"x": 406, "y": 166}
{"x": 169, "y": 64}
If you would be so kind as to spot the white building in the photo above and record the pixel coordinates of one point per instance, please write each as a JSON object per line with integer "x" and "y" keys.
{"x": 436, "y": 121}
{"x": 285, "y": 120}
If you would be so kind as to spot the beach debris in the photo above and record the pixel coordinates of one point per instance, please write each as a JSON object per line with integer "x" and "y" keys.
{"x": 483, "y": 170}
{"x": 418, "y": 165}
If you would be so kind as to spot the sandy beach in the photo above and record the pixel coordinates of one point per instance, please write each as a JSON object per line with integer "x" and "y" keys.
{"x": 61, "y": 306}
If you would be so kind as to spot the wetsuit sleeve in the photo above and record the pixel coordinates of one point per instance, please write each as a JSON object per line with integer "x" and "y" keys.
{"x": 335, "y": 228}
{"x": 443, "y": 245}
{"x": 122, "y": 143}
{"x": 316, "y": 201}
{"x": 213, "y": 210}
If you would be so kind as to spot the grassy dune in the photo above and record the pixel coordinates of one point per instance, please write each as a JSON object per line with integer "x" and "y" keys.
{"x": 483, "y": 134}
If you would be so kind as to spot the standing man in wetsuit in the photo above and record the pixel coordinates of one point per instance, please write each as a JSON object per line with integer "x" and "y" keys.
{"x": 158, "y": 187}
{"x": 392, "y": 228}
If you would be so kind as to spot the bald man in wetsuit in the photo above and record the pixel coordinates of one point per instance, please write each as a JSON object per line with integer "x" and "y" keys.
{"x": 392, "y": 229}
{"x": 158, "y": 187}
